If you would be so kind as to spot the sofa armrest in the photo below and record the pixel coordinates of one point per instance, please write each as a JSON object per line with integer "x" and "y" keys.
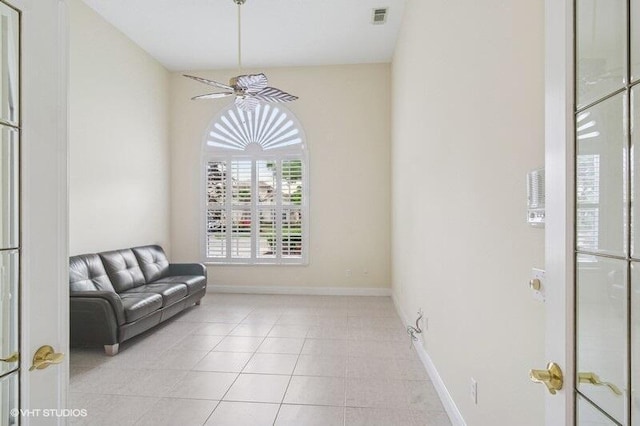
{"x": 92, "y": 322}
{"x": 110, "y": 297}
{"x": 187, "y": 269}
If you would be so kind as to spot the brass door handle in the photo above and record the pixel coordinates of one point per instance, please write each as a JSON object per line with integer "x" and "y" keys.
{"x": 14, "y": 357}
{"x": 552, "y": 377}
{"x": 44, "y": 357}
{"x": 593, "y": 379}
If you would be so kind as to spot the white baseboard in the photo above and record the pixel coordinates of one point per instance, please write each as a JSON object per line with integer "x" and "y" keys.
{"x": 304, "y": 291}
{"x": 449, "y": 405}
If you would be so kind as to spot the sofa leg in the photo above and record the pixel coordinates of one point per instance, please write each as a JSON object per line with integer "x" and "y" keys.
{"x": 111, "y": 350}
{"x": 198, "y": 302}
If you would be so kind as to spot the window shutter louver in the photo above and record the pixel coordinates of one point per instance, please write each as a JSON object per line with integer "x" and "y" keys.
{"x": 588, "y": 201}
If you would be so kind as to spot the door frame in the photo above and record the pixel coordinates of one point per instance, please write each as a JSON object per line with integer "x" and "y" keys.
{"x": 559, "y": 189}
{"x": 44, "y": 215}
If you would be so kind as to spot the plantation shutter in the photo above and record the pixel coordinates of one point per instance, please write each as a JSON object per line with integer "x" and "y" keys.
{"x": 256, "y": 188}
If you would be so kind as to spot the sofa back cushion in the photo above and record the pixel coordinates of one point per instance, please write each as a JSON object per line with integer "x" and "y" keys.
{"x": 123, "y": 269}
{"x": 153, "y": 262}
{"x": 86, "y": 273}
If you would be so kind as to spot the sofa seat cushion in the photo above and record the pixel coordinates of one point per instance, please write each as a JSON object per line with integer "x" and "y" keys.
{"x": 194, "y": 283}
{"x": 170, "y": 292}
{"x": 138, "y": 305}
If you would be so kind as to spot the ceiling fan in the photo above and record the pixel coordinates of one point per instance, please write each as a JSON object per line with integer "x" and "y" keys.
{"x": 249, "y": 89}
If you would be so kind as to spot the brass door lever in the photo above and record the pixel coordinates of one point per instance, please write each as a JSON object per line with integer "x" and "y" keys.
{"x": 44, "y": 357}
{"x": 551, "y": 377}
{"x": 593, "y": 379}
{"x": 14, "y": 357}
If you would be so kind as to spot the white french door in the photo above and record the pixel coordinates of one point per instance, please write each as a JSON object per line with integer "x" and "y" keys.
{"x": 33, "y": 210}
{"x": 559, "y": 178}
{"x": 592, "y": 238}
{"x": 10, "y": 241}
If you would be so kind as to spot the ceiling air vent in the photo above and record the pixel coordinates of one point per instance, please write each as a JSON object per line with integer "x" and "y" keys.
{"x": 379, "y": 15}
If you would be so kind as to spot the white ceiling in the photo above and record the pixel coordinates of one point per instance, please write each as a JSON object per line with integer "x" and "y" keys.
{"x": 202, "y": 34}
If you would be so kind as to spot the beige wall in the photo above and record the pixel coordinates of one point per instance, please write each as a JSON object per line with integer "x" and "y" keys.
{"x": 468, "y": 92}
{"x": 345, "y": 112}
{"x": 119, "y": 147}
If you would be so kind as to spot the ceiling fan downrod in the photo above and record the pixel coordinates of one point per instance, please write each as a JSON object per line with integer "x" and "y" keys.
{"x": 239, "y": 3}
{"x": 249, "y": 90}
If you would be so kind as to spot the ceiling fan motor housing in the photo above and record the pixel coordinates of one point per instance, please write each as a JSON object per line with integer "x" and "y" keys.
{"x": 238, "y": 89}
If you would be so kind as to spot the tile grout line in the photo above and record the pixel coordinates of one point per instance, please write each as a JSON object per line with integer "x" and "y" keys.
{"x": 277, "y": 311}
{"x": 290, "y": 379}
{"x": 346, "y": 368}
{"x": 234, "y": 380}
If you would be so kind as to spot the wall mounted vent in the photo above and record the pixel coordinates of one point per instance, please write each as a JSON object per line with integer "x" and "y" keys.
{"x": 379, "y": 15}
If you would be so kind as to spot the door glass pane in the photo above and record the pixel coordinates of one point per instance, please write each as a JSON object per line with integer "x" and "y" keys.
{"x": 635, "y": 40}
{"x": 9, "y": 64}
{"x": 601, "y": 27}
{"x": 9, "y": 400}
{"x": 588, "y": 415}
{"x": 8, "y": 308}
{"x": 601, "y": 331}
{"x": 635, "y": 342}
{"x": 601, "y": 169}
{"x": 635, "y": 173}
{"x": 9, "y": 215}
{"x": 8, "y": 188}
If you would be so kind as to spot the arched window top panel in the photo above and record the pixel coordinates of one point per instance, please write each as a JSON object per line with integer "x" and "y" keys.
{"x": 269, "y": 128}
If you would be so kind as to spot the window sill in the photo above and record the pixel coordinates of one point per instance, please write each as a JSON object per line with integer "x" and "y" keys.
{"x": 301, "y": 263}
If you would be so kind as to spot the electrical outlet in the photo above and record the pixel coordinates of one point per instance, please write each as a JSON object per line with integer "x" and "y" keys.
{"x": 473, "y": 388}
{"x": 348, "y": 273}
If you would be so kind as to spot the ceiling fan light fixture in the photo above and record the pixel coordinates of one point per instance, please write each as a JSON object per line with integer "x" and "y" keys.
{"x": 249, "y": 89}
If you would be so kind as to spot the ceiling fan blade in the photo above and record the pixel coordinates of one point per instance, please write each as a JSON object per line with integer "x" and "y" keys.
{"x": 272, "y": 94}
{"x": 213, "y": 95}
{"x": 209, "y": 82}
{"x": 252, "y": 83}
{"x": 247, "y": 103}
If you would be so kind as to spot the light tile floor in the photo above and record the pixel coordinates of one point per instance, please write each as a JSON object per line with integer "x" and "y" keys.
{"x": 248, "y": 360}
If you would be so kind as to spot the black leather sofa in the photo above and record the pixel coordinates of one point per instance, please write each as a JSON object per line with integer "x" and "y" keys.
{"x": 119, "y": 294}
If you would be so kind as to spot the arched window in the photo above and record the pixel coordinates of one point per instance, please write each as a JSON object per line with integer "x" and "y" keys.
{"x": 255, "y": 188}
